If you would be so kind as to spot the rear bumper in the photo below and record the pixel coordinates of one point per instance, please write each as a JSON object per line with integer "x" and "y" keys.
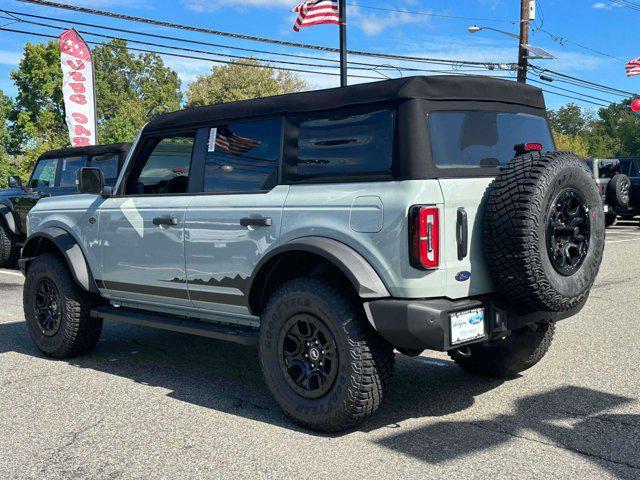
{"x": 426, "y": 324}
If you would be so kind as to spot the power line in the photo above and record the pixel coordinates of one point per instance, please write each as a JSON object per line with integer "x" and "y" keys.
{"x": 192, "y": 57}
{"x": 122, "y": 16}
{"x": 44, "y": 35}
{"x": 564, "y": 75}
{"x": 607, "y": 102}
{"x": 624, "y": 3}
{"x": 563, "y": 40}
{"x": 429, "y": 14}
{"x": 353, "y": 65}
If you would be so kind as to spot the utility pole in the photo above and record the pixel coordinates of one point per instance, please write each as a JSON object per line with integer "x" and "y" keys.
{"x": 343, "y": 43}
{"x": 526, "y": 14}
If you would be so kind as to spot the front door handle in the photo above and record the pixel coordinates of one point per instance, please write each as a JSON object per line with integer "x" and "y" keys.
{"x": 256, "y": 222}
{"x": 165, "y": 221}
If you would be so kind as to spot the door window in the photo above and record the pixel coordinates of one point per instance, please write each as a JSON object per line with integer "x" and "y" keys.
{"x": 108, "y": 163}
{"x": 44, "y": 175}
{"x": 243, "y": 157}
{"x": 166, "y": 168}
{"x": 635, "y": 169}
{"x": 70, "y": 167}
{"x": 346, "y": 145}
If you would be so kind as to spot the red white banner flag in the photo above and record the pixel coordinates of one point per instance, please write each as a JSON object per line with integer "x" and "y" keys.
{"x": 78, "y": 89}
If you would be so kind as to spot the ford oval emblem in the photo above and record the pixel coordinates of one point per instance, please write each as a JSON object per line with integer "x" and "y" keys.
{"x": 476, "y": 320}
{"x": 463, "y": 276}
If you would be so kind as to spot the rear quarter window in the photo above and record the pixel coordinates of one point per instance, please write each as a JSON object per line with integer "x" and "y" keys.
{"x": 483, "y": 138}
{"x": 344, "y": 146}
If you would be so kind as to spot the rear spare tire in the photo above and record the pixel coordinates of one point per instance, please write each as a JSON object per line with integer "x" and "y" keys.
{"x": 544, "y": 231}
{"x": 618, "y": 191}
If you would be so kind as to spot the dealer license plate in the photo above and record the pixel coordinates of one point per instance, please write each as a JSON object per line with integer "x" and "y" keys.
{"x": 467, "y": 326}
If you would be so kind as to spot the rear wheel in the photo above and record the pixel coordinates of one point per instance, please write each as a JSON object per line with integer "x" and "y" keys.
{"x": 8, "y": 247}
{"x": 57, "y": 311}
{"x": 324, "y": 364}
{"x": 505, "y": 358}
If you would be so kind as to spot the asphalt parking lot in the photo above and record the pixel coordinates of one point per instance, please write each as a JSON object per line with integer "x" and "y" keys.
{"x": 149, "y": 404}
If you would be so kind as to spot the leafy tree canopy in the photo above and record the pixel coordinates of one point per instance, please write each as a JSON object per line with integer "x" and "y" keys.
{"x": 6, "y": 168}
{"x": 237, "y": 81}
{"x": 130, "y": 91}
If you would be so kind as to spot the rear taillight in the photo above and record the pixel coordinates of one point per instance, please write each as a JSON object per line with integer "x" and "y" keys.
{"x": 424, "y": 237}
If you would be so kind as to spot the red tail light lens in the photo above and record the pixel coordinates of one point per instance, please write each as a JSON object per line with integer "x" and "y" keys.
{"x": 425, "y": 237}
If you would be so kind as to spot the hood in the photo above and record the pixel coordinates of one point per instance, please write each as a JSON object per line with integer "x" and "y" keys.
{"x": 11, "y": 192}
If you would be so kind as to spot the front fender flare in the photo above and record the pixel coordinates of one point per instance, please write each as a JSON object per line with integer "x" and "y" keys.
{"x": 68, "y": 247}
{"x": 362, "y": 276}
{"x": 7, "y": 214}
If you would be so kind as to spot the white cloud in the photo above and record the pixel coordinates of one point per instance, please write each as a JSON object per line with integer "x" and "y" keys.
{"x": 605, "y": 6}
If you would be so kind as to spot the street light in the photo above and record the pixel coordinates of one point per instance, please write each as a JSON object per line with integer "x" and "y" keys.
{"x": 477, "y": 28}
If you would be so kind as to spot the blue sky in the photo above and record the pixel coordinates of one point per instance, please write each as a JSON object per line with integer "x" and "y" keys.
{"x": 597, "y": 25}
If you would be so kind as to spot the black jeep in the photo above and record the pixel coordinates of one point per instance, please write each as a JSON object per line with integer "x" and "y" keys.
{"x": 53, "y": 175}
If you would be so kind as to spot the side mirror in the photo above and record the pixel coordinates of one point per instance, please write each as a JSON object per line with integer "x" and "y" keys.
{"x": 90, "y": 180}
{"x": 15, "y": 182}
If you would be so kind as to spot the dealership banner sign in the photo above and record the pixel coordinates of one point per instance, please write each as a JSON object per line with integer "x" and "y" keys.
{"x": 78, "y": 89}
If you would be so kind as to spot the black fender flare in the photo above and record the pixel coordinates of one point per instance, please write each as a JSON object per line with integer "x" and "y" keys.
{"x": 7, "y": 214}
{"x": 365, "y": 280}
{"x": 68, "y": 247}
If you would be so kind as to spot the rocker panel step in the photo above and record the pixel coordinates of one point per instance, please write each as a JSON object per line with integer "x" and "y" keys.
{"x": 229, "y": 333}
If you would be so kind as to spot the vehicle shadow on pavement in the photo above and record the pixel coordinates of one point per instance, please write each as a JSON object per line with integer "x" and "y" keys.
{"x": 227, "y": 378}
{"x": 569, "y": 418}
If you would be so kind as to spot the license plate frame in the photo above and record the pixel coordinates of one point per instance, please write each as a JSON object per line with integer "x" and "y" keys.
{"x": 467, "y": 326}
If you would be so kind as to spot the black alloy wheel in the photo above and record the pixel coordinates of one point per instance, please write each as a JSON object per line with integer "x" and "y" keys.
{"x": 47, "y": 305}
{"x": 568, "y": 231}
{"x": 309, "y": 357}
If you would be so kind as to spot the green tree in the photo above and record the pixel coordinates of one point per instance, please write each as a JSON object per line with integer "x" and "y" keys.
{"x": 237, "y": 81}
{"x": 130, "y": 90}
{"x": 6, "y": 168}
{"x": 570, "y": 119}
{"x": 572, "y": 143}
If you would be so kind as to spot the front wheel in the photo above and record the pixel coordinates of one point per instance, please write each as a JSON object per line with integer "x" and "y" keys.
{"x": 57, "y": 311}
{"x": 505, "y": 358}
{"x": 324, "y": 364}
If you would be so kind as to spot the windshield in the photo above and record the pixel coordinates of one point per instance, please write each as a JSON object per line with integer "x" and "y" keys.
{"x": 483, "y": 138}
{"x": 44, "y": 175}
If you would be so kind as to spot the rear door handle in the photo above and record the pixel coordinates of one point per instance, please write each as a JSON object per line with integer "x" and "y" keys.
{"x": 462, "y": 233}
{"x": 256, "y": 222}
{"x": 165, "y": 221}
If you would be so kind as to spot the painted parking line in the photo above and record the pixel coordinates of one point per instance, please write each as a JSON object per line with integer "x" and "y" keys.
{"x": 610, "y": 242}
{"x": 10, "y": 272}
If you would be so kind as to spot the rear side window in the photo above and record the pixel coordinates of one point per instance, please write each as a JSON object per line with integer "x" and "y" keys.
{"x": 611, "y": 168}
{"x": 483, "y": 138}
{"x": 346, "y": 145}
{"x": 243, "y": 157}
{"x": 44, "y": 175}
{"x": 70, "y": 167}
{"x": 108, "y": 163}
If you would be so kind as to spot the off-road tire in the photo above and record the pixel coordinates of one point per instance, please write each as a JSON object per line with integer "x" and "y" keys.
{"x": 8, "y": 249}
{"x": 618, "y": 191}
{"x": 365, "y": 360}
{"x": 78, "y": 332}
{"x": 610, "y": 219}
{"x": 516, "y": 232}
{"x": 520, "y": 351}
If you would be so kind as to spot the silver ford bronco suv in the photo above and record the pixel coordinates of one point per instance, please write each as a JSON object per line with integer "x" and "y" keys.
{"x": 330, "y": 228}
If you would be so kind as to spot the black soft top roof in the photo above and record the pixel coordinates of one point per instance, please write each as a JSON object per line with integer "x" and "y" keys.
{"x": 82, "y": 151}
{"x": 452, "y": 88}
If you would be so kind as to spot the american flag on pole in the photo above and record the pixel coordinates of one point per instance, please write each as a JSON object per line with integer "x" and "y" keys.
{"x": 316, "y": 12}
{"x": 633, "y": 67}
